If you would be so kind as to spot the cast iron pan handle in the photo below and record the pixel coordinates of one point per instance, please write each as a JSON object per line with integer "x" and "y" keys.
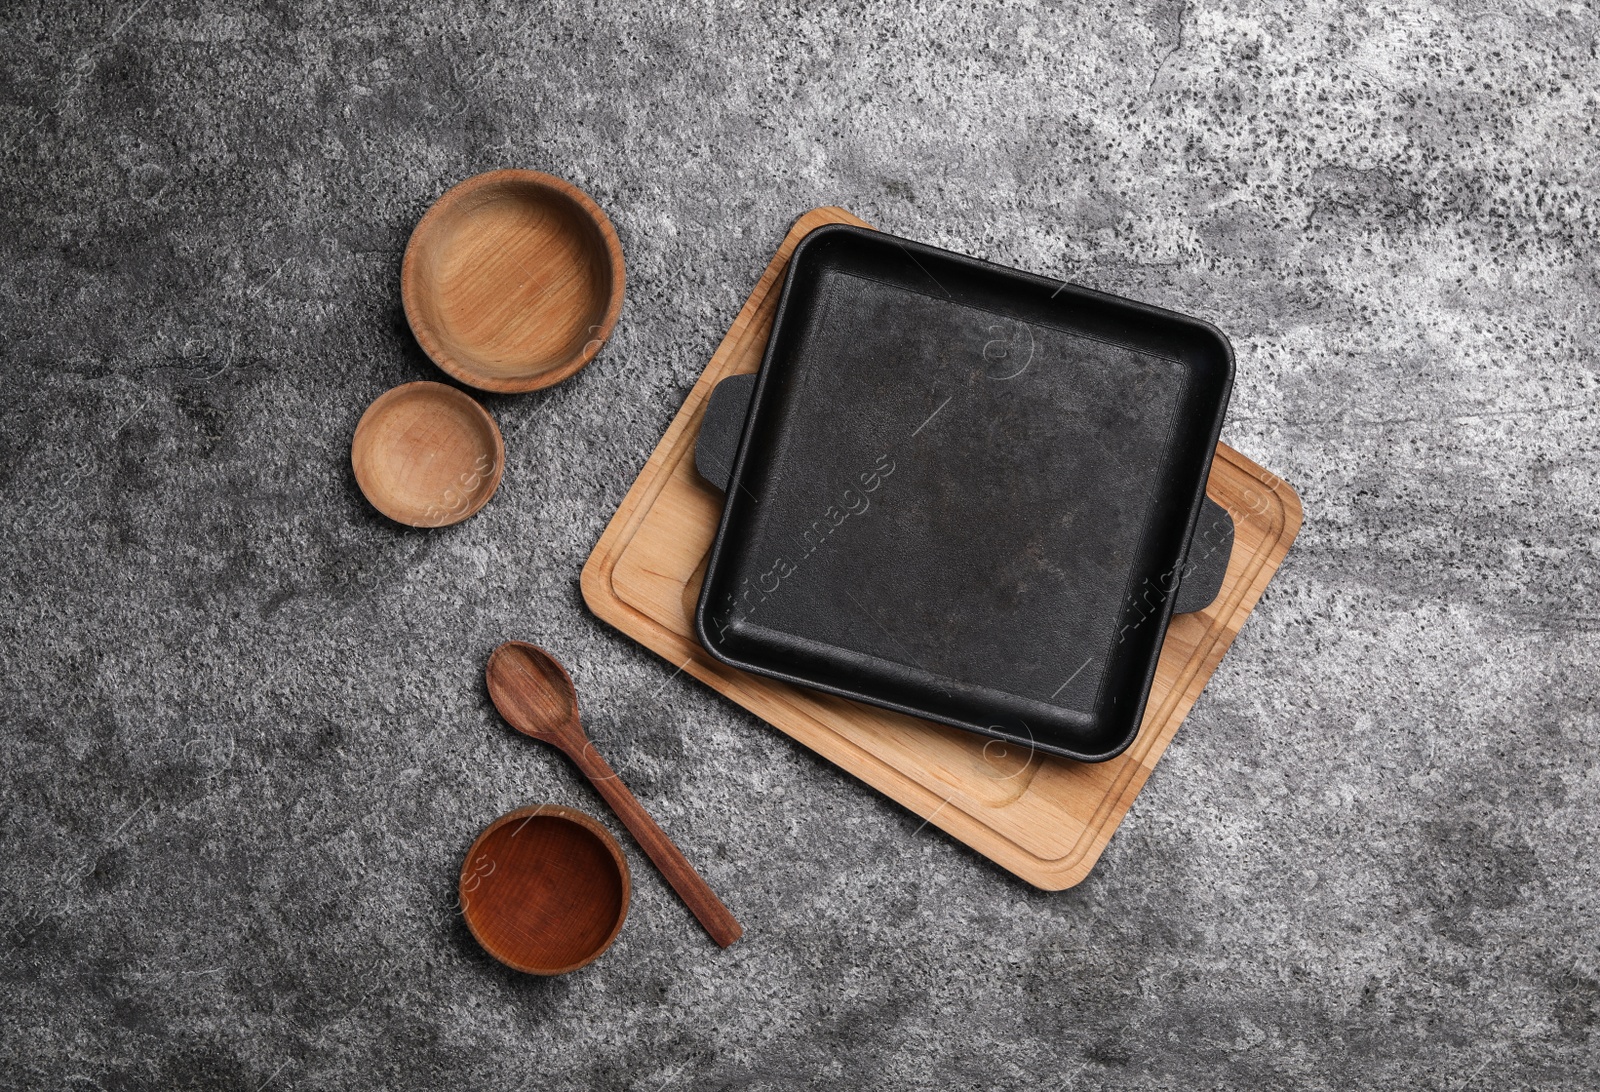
{"x": 718, "y": 446}
{"x": 1207, "y": 562}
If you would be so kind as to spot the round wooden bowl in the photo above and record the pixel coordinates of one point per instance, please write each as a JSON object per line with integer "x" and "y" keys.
{"x": 512, "y": 280}
{"x": 427, "y": 455}
{"x": 545, "y": 889}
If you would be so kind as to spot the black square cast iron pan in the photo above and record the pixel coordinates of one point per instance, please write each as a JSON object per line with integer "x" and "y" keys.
{"x": 965, "y": 493}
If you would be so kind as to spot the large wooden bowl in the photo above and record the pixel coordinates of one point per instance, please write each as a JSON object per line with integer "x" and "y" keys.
{"x": 512, "y": 280}
{"x": 545, "y": 889}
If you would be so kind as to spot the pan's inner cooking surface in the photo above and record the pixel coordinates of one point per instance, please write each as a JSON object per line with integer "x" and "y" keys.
{"x": 959, "y": 492}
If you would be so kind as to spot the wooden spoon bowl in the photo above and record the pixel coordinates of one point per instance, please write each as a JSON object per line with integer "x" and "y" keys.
{"x": 512, "y": 280}
{"x": 427, "y": 455}
{"x": 545, "y": 889}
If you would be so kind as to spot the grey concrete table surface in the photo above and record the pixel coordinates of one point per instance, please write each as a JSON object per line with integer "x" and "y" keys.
{"x": 246, "y": 740}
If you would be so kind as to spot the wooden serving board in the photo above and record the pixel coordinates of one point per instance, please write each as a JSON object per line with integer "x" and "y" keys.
{"x": 1046, "y": 819}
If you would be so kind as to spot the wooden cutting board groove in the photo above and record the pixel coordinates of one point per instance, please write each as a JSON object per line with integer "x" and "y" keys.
{"x": 1043, "y": 818}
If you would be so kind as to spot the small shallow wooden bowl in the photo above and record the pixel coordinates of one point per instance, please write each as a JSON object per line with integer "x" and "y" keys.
{"x": 512, "y": 280}
{"x": 545, "y": 889}
{"x": 427, "y": 455}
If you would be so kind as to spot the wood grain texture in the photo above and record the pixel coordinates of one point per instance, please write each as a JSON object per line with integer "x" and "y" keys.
{"x": 1043, "y": 818}
{"x": 512, "y": 280}
{"x": 545, "y": 889}
{"x": 427, "y": 455}
{"x": 536, "y": 696}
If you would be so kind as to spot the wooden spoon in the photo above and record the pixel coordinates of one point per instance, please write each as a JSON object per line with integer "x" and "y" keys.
{"x": 535, "y": 695}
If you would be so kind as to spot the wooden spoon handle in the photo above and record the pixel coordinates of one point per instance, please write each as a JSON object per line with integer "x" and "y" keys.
{"x": 695, "y": 892}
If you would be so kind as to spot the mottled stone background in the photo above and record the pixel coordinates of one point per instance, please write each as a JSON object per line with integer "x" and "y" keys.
{"x": 245, "y": 739}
